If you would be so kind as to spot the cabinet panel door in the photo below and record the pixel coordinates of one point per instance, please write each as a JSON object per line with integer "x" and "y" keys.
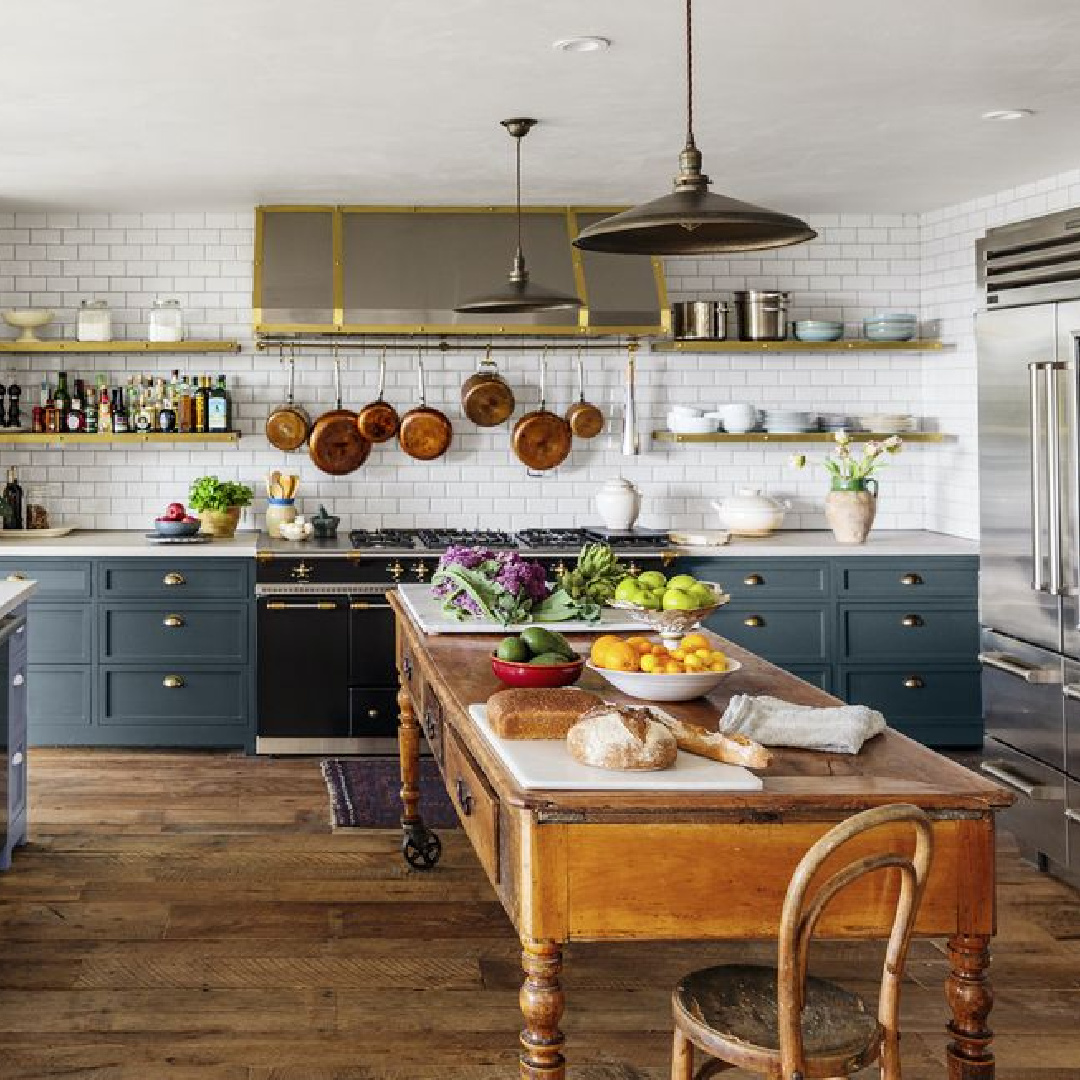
{"x": 136, "y": 633}
{"x": 174, "y": 579}
{"x": 758, "y": 580}
{"x": 176, "y": 695}
{"x": 61, "y": 634}
{"x": 56, "y": 578}
{"x": 908, "y": 579}
{"x": 777, "y": 633}
{"x": 907, "y": 633}
{"x": 58, "y": 697}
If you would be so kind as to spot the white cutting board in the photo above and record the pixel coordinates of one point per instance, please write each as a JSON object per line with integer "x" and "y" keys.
{"x": 428, "y": 612}
{"x": 546, "y": 765}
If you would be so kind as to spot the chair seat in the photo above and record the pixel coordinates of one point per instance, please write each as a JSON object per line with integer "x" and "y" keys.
{"x": 734, "y": 1007}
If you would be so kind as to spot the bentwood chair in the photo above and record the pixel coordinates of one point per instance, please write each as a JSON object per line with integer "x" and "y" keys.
{"x": 788, "y": 1026}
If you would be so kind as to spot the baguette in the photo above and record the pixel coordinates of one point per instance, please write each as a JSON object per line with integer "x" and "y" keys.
{"x": 730, "y": 749}
{"x": 521, "y": 713}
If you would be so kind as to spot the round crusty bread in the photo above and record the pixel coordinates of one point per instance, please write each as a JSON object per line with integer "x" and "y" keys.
{"x": 614, "y": 738}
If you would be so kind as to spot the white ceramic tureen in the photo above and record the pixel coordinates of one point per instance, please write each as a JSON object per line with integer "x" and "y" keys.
{"x": 750, "y": 512}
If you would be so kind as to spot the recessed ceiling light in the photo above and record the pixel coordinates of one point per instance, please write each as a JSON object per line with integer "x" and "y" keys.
{"x": 582, "y": 44}
{"x": 1008, "y": 114}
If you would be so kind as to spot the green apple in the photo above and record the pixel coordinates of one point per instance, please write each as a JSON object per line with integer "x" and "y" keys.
{"x": 652, "y": 579}
{"x": 701, "y": 594}
{"x": 682, "y": 581}
{"x": 678, "y": 600}
{"x": 628, "y": 591}
{"x": 651, "y": 600}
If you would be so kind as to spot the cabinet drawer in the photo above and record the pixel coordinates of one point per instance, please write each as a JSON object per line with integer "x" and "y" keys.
{"x": 58, "y": 697}
{"x": 915, "y": 578}
{"x": 61, "y": 634}
{"x": 56, "y": 578}
{"x": 476, "y": 804}
{"x": 776, "y": 633}
{"x": 900, "y": 633}
{"x": 817, "y": 675}
{"x": 751, "y": 580}
{"x": 913, "y": 693}
{"x": 431, "y": 723}
{"x": 144, "y": 633}
{"x": 174, "y": 695}
{"x": 149, "y": 579}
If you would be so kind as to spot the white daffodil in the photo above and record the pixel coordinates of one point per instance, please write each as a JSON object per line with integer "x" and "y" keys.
{"x": 893, "y": 444}
{"x": 842, "y": 437}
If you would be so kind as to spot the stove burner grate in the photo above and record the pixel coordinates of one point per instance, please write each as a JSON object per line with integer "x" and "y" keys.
{"x": 443, "y": 538}
{"x": 383, "y": 538}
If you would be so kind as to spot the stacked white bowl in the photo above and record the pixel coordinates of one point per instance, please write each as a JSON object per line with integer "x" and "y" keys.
{"x": 788, "y": 421}
{"x": 688, "y": 420}
{"x": 898, "y": 327}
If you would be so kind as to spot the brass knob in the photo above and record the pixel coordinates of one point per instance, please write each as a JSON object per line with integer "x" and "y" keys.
{"x": 174, "y": 577}
{"x": 913, "y": 682}
{"x": 633, "y": 569}
{"x": 911, "y": 620}
{"x": 395, "y": 570}
{"x": 559, "y": 568}
{"x": 172, "y": 682}
{"x": 753, "y": 620}
{"x": 173, "y": 620}
{"x": 911, "y": 579}
{"x": 18, "y": 575}
{"x": 753, "y": 579}
{"x": 373, "y": 714}
{"x": 420, "y": 570}
{"x": 300, "y": 572}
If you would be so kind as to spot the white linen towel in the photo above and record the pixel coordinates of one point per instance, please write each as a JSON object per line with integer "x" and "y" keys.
{"x": 770, "y": 721}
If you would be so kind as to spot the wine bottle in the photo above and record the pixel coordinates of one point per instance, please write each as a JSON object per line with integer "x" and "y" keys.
{"x": 13, "y": 497}
{"x": 202, "y": 397}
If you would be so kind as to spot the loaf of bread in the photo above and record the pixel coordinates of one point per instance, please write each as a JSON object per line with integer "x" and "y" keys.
{"x": 538, "y": 714}
{"x": 730, "y": 749}
{"x": 609, "y": 737}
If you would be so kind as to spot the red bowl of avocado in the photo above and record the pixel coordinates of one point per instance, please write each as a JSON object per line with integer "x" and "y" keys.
{"x": 536, "y": 658}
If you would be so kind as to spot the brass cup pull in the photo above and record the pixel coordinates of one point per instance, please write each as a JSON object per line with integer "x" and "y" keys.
{"x": 173, "y": 620}
{"x": 753, "y": 579}
{"x": 18, "y": 575}
{"x": 172, "y": 682}
{"x": 911, "y": 579}
{"x": 173, "y": 577}
{"x": 911, "y": 620}
{"x": 753, "y": 621}
{"x": 464, "y": 796}
{"x": 913, "y": 682}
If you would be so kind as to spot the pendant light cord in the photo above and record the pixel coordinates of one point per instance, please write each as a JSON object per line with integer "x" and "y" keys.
{"x": 517, "y": 190}
{"x": 689, "y": 75}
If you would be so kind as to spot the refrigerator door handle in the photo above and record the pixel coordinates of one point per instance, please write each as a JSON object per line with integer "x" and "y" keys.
{"x": 1038, "y": 579}
{"x": 1011, "y": 665}
{"x": 1010, "y": 778}
{"x": 1053, "y": 473}
{"x": 1071, "y": 690}
{"x": 1073, "y": 405}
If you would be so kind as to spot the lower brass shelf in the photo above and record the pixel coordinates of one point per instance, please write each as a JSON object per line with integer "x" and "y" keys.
{"x": 70, "y": 437}
{"x": 796, "y": 437}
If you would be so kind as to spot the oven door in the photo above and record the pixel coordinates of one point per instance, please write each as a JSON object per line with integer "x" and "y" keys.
{"x": 373, "y": 681}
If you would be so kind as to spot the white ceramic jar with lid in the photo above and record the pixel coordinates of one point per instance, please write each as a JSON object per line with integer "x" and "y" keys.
{"x": 750, "y": 512}
{"x": 94, "y": 321}
{"x": 618, "y": 502}
{"x": 166, "y": 321}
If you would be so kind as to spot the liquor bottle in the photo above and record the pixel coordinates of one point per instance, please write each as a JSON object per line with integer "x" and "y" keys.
{"x": 202, "y": 397}
{"x": 218, "y": 407}
{"x": 13, "y": 496}
{"x": 14, "y": 416}
{"x": 143, "y": 421}
{"x": 75, "y": 420}
{"x": 119, "y": 412}
{"x": 62, "y": 400}
{"x": 166, "y": 408}
{"x": 186, "y": 411}
{"x": 105, "y": 418}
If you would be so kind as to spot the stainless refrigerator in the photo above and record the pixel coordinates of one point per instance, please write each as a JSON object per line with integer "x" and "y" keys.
{"x": 1029, "y": 482}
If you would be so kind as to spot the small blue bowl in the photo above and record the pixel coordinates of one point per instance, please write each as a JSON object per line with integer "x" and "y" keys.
{"x": 819, "y": 331}
{"x": 882, "y": 333}
{"x": 176, "y": 528}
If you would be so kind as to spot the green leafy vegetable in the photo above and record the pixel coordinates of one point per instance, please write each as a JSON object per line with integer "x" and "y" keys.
{"x": 210, "y": 493}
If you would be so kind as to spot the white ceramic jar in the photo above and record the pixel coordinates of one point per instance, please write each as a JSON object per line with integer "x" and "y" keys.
{"x": 279, "y": 512}
{"x": 749, "y": 512}
{"x": 166, "y": 322}
{"x": 94, "y": 321}
{"x": 618, "y": 502}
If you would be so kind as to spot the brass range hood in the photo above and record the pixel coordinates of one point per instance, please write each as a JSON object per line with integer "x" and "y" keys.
{"x": 692, "y": 220}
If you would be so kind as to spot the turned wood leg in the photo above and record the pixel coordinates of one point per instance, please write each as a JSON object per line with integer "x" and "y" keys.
{"x": 542, "y": 1002}
{"x": 971, "y": 998}
{"x": 409, "y": 751}
{"x": 682, "y": 1057}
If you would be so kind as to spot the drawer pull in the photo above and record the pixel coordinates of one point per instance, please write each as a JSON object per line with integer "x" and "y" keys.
{"x": 18, "y": 575}
{"x": 753, "y": 579}
{"x": 321, "y": 605}
{"x": 1030, "y": 673}
{"x": 172, "y": 682}
{"x": 999, "y": 770}
{"x": 1073, "y": 815}
{"x": 364, "y": 605}
{"x": 911, "y": 620}
{"x": 17, "y": 758}
{"x": 174, "y": 577}
{"x": 173, "y": 620}
{"x": 911, "y": 579}
{"x": 1071, "y": 690}
{"x": 753, "y": 621}
{"x": 18, "y": 680}
{"x": 406, "y": 666}
{"x": 464, "y": 796}
{"x": 913, "y": 682}
{"x": 430, "y": 723}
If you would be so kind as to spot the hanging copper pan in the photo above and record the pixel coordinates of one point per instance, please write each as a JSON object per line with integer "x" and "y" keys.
{"x": 486, "y": 397}
{"x": 288, "y": 426}
{"x": 585, "y": 419}
{"x": 378, "y": 420}
{"x": 425, "y": 433}
{"x": 542, "y": 439}
{"x": 336, "y": 445}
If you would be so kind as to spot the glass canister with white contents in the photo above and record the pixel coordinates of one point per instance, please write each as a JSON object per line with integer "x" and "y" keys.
{"x": 166, "y": 321}
{"x": 94, "y": 321}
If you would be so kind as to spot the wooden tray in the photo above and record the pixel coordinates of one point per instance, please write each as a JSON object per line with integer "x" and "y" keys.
{"x": 36, "y": 534}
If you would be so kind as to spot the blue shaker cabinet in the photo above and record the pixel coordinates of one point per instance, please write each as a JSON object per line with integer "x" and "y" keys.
{"x": 13, "y": 678}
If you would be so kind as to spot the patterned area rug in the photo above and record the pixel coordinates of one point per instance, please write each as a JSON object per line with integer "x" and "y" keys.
{"x": 365, "y": 793}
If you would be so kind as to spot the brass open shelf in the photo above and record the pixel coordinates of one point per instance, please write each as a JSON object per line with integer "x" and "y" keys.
{"x": 75, "y": 437}
{"x": 796, "y": 436}
{"x": 119, "y": 346}
{"x": 799, "y": 346}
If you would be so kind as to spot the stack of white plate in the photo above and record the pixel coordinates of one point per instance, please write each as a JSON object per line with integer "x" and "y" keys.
{"x": 887, "y": 422}
{"x": 788, "y": 421}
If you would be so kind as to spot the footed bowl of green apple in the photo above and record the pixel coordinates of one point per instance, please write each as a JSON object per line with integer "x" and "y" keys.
{"x": 671, "y": 606}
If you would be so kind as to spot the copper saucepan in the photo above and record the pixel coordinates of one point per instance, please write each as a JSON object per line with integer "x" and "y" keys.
{"x": 288, "y": 425}
{"x": 486, "y": 397}
{"x": 542, "y": 439}
{"x": 425, "y": 433}
{"x": 336, "y": 445}
{"x": 585, "y": 419}
{"x": 378, "y": 420}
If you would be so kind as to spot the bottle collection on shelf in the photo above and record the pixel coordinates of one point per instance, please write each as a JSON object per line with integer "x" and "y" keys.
{"x": 187, "y": 404}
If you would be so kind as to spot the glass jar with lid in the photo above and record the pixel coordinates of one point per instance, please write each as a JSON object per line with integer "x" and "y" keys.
{"x": 166, "y": 321}
{"x": 94, "y": 321}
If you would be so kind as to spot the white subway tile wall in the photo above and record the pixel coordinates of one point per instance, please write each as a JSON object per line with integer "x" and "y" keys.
{"x": 860, "y": 264}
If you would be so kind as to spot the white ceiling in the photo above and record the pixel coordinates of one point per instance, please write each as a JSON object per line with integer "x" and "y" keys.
{"x": 805, "y": 107}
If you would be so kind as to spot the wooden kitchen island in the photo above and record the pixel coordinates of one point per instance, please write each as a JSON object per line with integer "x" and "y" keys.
{"x": 596, "y": 866}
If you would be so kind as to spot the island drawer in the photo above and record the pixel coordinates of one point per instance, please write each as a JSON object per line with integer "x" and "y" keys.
{"x": 56, "y": 578}
{"x": 180, "y": 695}
{"x": 752, "y": 580}
{"x": 144, "y": 633}
{"x": 61, "y": 634}
{"x": 149, "y": 579}
{"x": 476, "y": 804}
{"x": 58, "y": 697}
{"x": 914, "y": 579}
{"x": 916, "y": 631}
{"x": 431, "y": 723}
{"x": 914, "y": 693}
{"x": 776, "y": 633}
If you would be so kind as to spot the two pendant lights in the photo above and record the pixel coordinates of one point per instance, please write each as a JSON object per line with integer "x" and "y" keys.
{"x": 690, "y": 221}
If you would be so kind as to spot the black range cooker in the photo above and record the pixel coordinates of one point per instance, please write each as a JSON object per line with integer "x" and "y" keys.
{"x": 327, "y": 680}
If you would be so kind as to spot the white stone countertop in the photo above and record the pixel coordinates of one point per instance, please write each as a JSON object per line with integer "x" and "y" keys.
{"x": 13, "y": 593}
{"x": 87, "y": 543}
{"x": 818, "y": 543}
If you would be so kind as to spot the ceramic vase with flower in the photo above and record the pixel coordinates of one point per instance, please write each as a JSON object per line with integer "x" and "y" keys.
{"x": 850, "y": 507}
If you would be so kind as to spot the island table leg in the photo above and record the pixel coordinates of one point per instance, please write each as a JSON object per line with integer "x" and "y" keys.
{"x": 542, "y": 1003}
{"x": 420, "y": 846}
{"x": 971, "y": 998}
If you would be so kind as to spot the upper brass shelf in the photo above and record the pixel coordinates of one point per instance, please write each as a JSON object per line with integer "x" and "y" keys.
{"x": 76, "y": 437}
{"x": 800, "y": 346}
{"x": 119, "y": 346}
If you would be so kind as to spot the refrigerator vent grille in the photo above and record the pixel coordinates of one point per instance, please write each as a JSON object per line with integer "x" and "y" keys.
{"x": 1031, "y": 261}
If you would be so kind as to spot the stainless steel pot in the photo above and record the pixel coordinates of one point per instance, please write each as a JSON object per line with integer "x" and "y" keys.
{"x": 699, "y": 320}
{"x": 762, "y": 314}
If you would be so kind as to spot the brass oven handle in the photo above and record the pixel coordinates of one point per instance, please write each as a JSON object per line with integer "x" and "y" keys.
{"x": 913, "y": 682}
{"x": 322, "y": 605}
{"x": 174, "y": 577}
{"x": 911, "y": 620}
{"x": 364, "y": 605}
{"x": 464, "y": 796}
{"x": 173, "y": 620}
{"x": 753, "y": 579}
{"x": 172, "y": 682}
{"x": 911, "y": 579}
{"x": 753, "y": 621}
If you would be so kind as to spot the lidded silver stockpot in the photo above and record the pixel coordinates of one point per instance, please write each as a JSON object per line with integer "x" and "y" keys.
{"x": 762, "y": 314}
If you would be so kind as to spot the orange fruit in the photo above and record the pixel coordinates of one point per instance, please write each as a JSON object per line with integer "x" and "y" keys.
{"x": 693, "y": 642}
{"x": 650, "y": 663}
{"x": 640, "y": 644}
{"x": 621, "y": 657}
{"x": 600, "y": 646}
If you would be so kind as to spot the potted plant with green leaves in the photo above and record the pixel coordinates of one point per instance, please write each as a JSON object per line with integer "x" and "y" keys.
{"x": 851, "y": 504}
{"x": 219, "y": 503}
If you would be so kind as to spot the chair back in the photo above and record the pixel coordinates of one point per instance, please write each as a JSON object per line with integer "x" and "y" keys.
{"x": 803, "y": 907}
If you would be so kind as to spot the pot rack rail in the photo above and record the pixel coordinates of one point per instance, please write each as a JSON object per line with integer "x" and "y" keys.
{"x": 267, "y": 344}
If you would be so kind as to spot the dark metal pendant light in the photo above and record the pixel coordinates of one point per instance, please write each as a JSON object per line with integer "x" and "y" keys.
{"x": 519, "y": 294}
{"x": 692, "y": 220}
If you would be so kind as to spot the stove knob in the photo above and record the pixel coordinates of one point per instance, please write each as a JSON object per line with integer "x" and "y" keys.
{"x": 300, "y": 572}
{"x": 420, "y": 570}
{"x": 559, "y": 568}
{"x": 633, "y": 569}
{"x": 395, "y": 569}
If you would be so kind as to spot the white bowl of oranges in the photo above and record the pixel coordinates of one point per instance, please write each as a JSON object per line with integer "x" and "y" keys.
{"x": 647, "y": 669}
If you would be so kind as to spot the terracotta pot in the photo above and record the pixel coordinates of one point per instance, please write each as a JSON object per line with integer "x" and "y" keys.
{"x": 220, "y": 523}
{"x": 850, "y": 511}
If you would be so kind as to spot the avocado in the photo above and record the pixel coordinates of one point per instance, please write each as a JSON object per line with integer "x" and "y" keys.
{"x": 542, "y": 640}
{"x": 513, "y": 649}
{"x": 547, "y": 658}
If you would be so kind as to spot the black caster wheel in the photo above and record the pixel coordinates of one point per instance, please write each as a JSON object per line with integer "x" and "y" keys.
{"x": 422, "y": 850}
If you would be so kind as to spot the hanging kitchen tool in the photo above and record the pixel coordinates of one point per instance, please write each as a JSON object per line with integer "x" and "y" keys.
{"x": 425, "y": 433}
{"x": 335, "y": 444}
{"x": 630, "y": 444}
{"x": 378, "y": 421}
{"x": 542, "y": 439}
{"x": 486, "y": 397}
{"x": 585, "y": 419}
{"x": 288, "y": 426}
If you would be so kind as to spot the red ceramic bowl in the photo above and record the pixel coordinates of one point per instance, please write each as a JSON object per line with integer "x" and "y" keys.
{"x": 537, "y": 675}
